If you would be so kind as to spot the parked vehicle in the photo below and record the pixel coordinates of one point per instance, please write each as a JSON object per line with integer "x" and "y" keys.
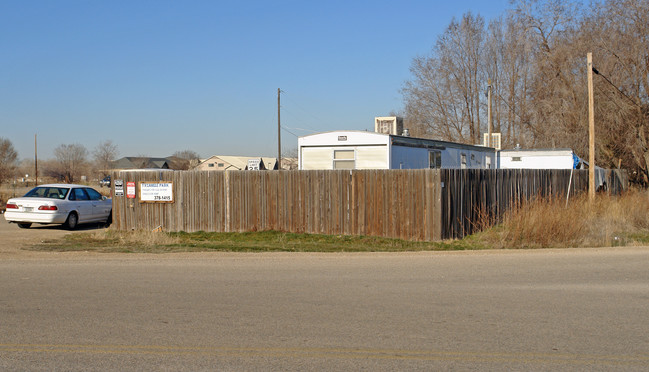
{"x": 66, "y": 204}
{"x": 105, "y": 182}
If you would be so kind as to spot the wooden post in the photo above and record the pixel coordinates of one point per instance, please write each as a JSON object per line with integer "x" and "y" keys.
{"x": 227, "y": 196}
{"x": 591, "y": 129}
{"x": 35, "y": 162}
{"x": 279, "y": 135}
{"x": 489, "y": 112}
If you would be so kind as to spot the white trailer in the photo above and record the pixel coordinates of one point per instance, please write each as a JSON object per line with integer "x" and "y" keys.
{"x": 369, "y": 150}
{"x": 539, "y": 159}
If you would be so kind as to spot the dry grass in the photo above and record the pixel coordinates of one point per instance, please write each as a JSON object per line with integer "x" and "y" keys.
{"x": 608, "y": 221}
{"x": 138, "y": 238}
{"x": 112, "y": 241}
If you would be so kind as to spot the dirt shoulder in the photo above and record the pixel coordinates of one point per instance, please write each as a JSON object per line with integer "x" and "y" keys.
{"x": 14, "y": 239}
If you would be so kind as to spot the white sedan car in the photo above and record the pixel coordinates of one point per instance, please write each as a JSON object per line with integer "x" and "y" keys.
{"x": 65, "y": 204}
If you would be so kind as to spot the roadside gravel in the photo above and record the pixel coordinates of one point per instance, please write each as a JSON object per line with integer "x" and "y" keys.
{"x": 13, "y": 239}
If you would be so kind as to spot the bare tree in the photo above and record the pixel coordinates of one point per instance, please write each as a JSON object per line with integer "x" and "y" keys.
{"x": 8, "y": 157}
{"x": 508, "y": 65}
{"x": 187, "y": 154}
{"x": 535, "y": 56}
{"x": 52, "y": 168}
{"x": 186, "y": 159}
{"x": 619, "y": 35}
{"x": 25, "y": 166}
{"x": 443, "y": 99}
{"x": 71, "y": 161}
{"x": 556, "y": 84}
{"x": 104, "y": 154}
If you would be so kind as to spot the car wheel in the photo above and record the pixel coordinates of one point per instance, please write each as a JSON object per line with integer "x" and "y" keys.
{"x": 72, "y": 221}
{"x": 109, "y": 220}
{"x": 24, "y": 225}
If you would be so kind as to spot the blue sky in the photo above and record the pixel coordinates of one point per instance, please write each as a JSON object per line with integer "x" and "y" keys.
{"x": 157, "y": 77}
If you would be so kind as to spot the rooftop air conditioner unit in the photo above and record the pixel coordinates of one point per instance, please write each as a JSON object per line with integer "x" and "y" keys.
{"x": 495, "y": 140}
{"x": 389, "y": 125}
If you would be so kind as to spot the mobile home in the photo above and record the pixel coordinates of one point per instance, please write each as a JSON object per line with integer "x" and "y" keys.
{"x": 539, "y": 159}
{"x": 370, "y": 150}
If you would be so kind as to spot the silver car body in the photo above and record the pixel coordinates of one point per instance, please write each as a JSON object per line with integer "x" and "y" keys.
{"x": 53, "y": 203}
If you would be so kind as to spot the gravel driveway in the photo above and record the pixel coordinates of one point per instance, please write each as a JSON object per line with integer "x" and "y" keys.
{"x": 14, "y": 238}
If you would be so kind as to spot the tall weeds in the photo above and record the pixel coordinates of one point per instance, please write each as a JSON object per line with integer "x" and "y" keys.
{"x": 608, "y": 220}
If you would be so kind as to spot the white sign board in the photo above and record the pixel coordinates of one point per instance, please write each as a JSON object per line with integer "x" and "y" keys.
{"x": 130, "y": 190}
{"x": 119, "y": 188}
{"x": 253, "y": 164}
{"x": 156, "y": 192}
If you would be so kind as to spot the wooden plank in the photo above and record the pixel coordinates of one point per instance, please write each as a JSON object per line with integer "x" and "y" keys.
{"x": 408, "y": 204}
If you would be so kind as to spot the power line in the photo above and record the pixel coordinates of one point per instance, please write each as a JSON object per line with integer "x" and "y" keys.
{"x": 302, "y": 129}
{"x": 616, "y": 88}
{"x": 293, "y": 103}
{"x": 287, "y": 129}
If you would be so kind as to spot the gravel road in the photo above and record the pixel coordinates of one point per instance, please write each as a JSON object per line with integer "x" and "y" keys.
{"x": 540, "y": 310}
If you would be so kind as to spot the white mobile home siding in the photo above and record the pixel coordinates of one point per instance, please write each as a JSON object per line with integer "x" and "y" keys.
{"x": 365, "y": 157}
{"x": 536, "y": 159}
{"x": 371, "y": 157}
{"x": 383, "y": 151}
{"x": 316, "y": 158}
{"x": 317, "y": 151}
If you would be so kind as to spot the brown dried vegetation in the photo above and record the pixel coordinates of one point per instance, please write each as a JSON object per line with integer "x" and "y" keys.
{"x": 607, "y": 221}
{"x": 535, "y": 56}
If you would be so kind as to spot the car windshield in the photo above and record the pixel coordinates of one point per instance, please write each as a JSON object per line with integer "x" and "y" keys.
{"x": 48, "y": 192}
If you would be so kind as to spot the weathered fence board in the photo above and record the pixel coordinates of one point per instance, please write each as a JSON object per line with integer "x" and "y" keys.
{"x": 474, "y": 198}
{"x": 406, "y": 204}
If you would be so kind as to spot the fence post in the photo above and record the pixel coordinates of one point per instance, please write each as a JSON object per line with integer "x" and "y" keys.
{"x": 226, "y": 194}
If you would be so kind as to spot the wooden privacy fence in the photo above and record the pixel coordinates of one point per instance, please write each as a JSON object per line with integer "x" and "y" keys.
{"x": 407, "y": 204}
{"x": 399, "y": 204}
{"x": 472, "y": 198}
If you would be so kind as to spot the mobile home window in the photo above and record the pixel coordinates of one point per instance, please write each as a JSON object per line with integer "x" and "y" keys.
{"x": 463, "y": 161}
{"x": 435, "y": 159}
{"x": 344, "y": 159}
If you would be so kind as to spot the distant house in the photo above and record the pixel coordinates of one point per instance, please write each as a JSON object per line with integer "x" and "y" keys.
{"x": 140, "y": 162}
{"x": 226, "y": 162}
{"x": 144, "y": 162}
{"x": 269, "y": 163}
{"x": 289, "y": 163}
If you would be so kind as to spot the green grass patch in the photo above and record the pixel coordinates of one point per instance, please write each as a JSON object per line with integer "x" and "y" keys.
{"x": 549, "y": 223}
{"x": 264, "y": 241}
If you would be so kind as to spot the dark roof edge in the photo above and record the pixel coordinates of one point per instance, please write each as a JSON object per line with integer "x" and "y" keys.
{"x": 438, "y": 144}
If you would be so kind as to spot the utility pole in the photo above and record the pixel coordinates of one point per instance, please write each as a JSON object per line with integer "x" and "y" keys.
{"x": 279, "y": 134}
{"x": 591, "y": 129}
{"x": 35, "y": 162}
{"x": 489, "y": 112}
